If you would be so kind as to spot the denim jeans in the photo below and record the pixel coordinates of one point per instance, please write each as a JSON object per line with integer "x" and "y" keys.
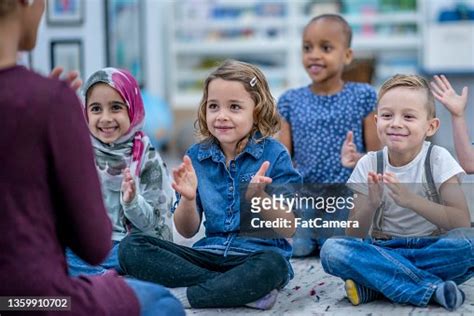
{"x": 308, "y": 241}
{"x": 77, "y": 266}
{"x": 404, "y": 270}
{"x": 305, "y": 241}
{"x": 213, "y": 280}
{"x": 155, "y": 299}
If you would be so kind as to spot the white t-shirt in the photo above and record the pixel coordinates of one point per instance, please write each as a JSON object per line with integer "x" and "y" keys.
{"x": 399, "y": 221}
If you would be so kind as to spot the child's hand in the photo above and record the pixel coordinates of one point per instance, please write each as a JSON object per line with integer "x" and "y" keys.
{"x": 445, "y": 94}
{"x": 397, "y": 191}
{"x": 375, "y": 189}
{"x": 72, "y": 77}
{"x": 129, "y": 188}
{"x": 259, "y": 181}
{"x": 185, "y": 179}
{"x": 349, "y": 154}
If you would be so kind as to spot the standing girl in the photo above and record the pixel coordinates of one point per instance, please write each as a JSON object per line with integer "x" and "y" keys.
{"x": 237, "y": 117}
{"x": 327, "y": 115}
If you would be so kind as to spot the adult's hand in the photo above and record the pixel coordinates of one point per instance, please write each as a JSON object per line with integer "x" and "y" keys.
{"x": 72, "y": 77}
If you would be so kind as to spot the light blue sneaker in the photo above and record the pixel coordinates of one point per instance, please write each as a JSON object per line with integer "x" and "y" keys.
{"x": 265, "y": 302}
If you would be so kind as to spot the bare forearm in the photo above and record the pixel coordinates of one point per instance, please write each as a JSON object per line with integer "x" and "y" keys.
{"x": 284, "y": 136}
{"x": 363, "y": 213}
{"x": 140, "y": 213}
{"x": 365, "y": 218}
{"x": 279, "y": 212}
{"x": 462, "y": 144}
{"x": 445, "y": 217}
{"x": 286, "y": 216}
{"x": 186, "y": 218}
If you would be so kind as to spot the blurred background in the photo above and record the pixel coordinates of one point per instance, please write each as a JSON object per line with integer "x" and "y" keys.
{"x": 171, "y": 46}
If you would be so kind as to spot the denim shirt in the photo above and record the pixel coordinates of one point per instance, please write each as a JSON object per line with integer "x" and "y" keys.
{"x": 218, "y": 194}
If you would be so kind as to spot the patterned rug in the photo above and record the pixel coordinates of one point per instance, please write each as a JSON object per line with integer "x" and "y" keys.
{"x": 313, "y": 292}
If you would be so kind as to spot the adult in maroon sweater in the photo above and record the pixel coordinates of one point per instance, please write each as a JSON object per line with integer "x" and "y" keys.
{"x": 50, "y": 197}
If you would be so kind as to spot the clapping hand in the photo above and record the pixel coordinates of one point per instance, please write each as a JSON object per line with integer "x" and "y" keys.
{"x": 259, "y": 181}
{"x": 129, "y": 189}
{"x": 72, "y": 77}
{"x": 398, "y": 191}
{"x": 375, "y": 189}
{"x": 185, "y": 179}
{"x": 349, "y": 154}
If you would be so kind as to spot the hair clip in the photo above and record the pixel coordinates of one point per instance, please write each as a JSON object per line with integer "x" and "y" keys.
{"x": 253, "y": 81}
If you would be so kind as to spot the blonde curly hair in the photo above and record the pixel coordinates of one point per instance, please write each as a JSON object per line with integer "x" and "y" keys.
{"x": 265, "y": 115}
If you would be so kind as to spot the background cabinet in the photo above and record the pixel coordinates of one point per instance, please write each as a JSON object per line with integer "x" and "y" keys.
{"x": 268, "y": 33}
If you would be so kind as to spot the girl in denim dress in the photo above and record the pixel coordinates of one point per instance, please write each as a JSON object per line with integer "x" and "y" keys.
{"x": 237, "y": 117}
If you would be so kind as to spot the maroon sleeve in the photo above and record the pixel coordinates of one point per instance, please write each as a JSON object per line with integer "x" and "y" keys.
{"x": 83, "y": 223}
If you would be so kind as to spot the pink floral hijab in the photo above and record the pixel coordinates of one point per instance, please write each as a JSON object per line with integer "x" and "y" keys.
{"x": 133, "y": 150}
{"x": 128, "y": 150}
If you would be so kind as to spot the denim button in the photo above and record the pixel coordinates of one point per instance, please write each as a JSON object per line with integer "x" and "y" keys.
{"x": 231, "y": 188}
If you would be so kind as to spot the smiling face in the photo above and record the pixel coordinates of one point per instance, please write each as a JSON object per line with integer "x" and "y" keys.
{"x": 325, "y": 53}
{"x": 229, "y": 113}
{"x": 403, "y": 123}
{"x": 107, "y": 113}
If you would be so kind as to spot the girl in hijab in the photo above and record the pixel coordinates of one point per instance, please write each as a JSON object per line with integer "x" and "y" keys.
{"x": 135, "y": 183}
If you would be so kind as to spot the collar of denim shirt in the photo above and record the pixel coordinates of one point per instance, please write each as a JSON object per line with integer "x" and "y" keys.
{"x": 212, "y": 149}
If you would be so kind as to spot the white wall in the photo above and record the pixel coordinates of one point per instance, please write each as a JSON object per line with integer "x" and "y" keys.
{"x": 93, "y": 37}
{"x": 91, "y": 33}
{"x": 155, "y": 45}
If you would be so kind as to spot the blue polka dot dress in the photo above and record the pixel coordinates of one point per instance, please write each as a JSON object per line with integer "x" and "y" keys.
{"x": 319, "y": 125}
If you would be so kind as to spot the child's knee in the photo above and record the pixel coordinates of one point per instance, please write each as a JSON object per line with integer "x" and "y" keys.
{"x": 129, "y": 250}
{"x": 273, "y": 266}
{"x": 461, "y": 241}
{"x": 303, "y": 247}
{"x": 170, "y": 306}
{"x": 335, "y": 251}
{"x": 276, "y": 261}
{"x": 461, "y": 238}
{"x": 464, "y": 233}
{"x": 124, "y": 247}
